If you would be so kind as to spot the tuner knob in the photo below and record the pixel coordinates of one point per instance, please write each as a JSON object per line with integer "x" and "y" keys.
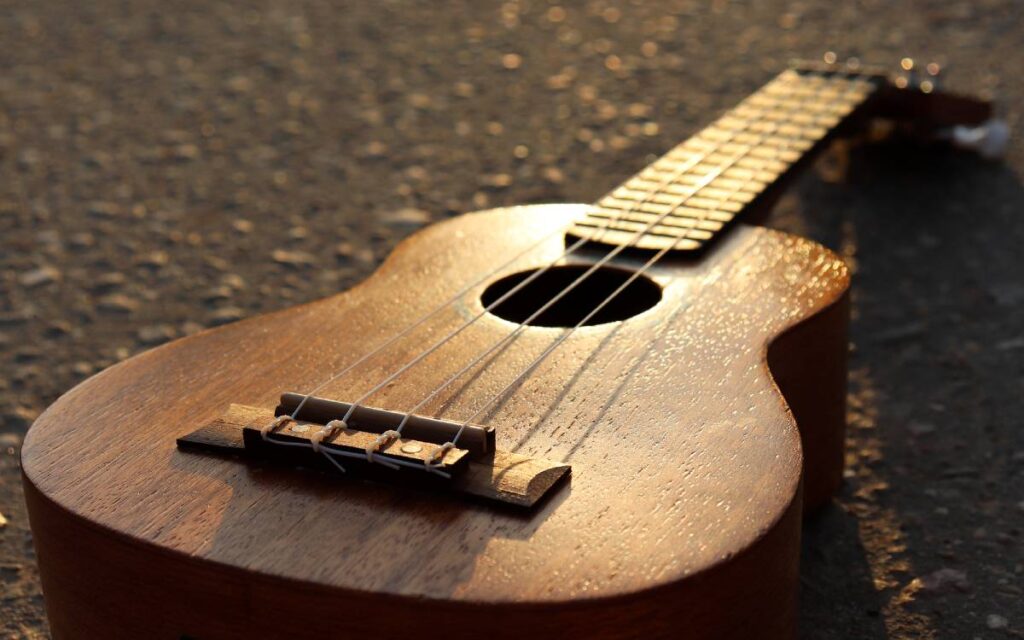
{"x": 908, "y": 75}
{"x": 989, "y": 140}
{"x": 931, "y": 82}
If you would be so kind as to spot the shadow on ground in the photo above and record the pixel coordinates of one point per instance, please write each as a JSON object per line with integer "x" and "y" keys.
{"x": 925, "y": 539}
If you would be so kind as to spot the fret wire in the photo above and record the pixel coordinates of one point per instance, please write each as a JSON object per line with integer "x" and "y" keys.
{"x": 626, "y": 193}
{"x": 682, "y": 222}
{"x": 755, "y": 182}
{"x": 685, "y": 222}
{"x": 623, "y": 224}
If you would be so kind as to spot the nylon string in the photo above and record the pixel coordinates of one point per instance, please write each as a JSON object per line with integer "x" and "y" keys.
{"x": 329, "y": 452}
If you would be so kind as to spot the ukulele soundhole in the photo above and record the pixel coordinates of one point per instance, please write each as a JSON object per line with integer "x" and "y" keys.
{"x": 638, "y": 296}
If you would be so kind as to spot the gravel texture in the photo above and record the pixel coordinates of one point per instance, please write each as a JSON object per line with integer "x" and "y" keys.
{"x": 169, "y": 166}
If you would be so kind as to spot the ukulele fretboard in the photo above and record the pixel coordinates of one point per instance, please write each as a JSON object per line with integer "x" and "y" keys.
{"x": 691, "y": 194}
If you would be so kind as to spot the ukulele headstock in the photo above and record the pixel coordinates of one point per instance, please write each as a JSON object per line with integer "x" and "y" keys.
{"x": 913, "y": 101}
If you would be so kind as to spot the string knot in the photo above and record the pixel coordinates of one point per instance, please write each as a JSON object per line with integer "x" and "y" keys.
{"x": 437, "y": 458}
{"x": 325, "y": 432}
{"x": 273, "y": 425}
{"x": 382, "y": 440}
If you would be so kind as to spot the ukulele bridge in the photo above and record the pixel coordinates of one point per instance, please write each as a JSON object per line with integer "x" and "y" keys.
{"x": 428, "y": 453}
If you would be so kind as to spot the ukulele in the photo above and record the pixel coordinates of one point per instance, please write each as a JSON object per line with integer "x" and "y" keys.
{"x": 551, "y": 421}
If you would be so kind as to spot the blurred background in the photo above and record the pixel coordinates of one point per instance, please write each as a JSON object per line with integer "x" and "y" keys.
{"x": 175, "y": 165}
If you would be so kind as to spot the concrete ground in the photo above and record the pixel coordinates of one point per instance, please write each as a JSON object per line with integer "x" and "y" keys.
{"x": 168, "y": 166}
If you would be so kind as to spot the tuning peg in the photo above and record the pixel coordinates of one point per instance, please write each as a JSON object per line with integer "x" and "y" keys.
{"x": 908, "y": 74}
{"x": 912, "y": 76}
{"x": 932, "y": 79}
{"x": 989, "y": 140}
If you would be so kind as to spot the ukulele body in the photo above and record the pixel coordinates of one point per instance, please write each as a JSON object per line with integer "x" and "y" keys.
{"x": 690, "y": 469}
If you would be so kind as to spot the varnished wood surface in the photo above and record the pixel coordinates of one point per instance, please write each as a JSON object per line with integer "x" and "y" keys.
{"x": 681, "y": 518}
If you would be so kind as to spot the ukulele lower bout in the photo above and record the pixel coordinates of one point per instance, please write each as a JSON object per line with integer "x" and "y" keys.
{"x": 682, "y": 514}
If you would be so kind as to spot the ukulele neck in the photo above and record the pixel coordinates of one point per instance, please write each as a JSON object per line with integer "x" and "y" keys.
{"x": 690, "y": 195}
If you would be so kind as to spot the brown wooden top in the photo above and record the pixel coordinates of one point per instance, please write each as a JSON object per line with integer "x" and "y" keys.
{"x": 683, "y": 452}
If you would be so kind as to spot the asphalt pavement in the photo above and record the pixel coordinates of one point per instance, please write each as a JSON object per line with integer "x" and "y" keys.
{"x": 169, "y": 166}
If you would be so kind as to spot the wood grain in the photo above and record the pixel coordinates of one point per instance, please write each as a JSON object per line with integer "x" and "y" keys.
{"x": 682, "y": 516}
